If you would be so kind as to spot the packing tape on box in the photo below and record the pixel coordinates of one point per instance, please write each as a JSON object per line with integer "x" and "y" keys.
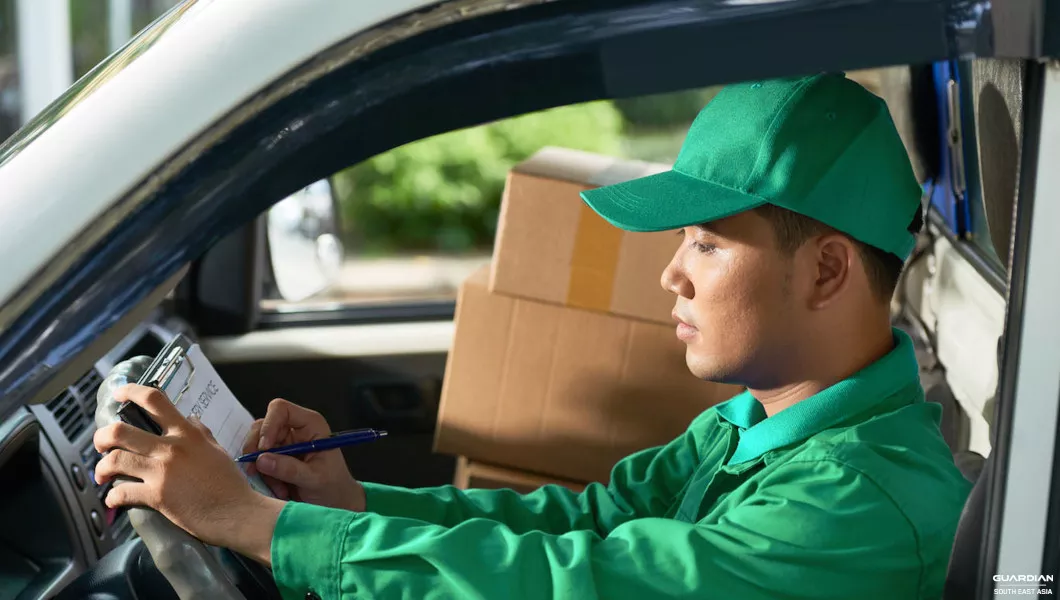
{"x": 597, "y": 243}
{"x": 593, "y": 262}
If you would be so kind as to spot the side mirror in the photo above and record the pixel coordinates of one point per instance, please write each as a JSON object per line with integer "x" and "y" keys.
{"x": 304, "y": 247}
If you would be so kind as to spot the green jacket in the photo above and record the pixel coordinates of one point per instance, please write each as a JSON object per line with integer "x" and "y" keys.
{"x": 851, "y": 493}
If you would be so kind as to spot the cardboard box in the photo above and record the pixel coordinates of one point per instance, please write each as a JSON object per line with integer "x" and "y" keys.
{"x": 561, "y": 391}
{"x": 473, "y": 474}
{"x": 552, "y": 247}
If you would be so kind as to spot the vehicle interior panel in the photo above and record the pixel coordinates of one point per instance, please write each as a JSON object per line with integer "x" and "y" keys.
{"x": 399, "y": 395}
{"x": 47, "y": 457}
{"x": 39, "y": 541}
{"x": 53, "y": 523}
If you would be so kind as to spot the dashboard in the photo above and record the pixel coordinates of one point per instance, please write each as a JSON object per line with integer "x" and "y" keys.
{"x": 53, "y": 522}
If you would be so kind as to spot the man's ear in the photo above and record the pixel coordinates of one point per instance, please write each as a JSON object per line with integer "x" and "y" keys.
{"x": 834, "y": 255}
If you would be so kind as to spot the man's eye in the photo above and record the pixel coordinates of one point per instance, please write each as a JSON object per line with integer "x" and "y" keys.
{"x": 699, "y": 246}
{"x": 704, "y": 248}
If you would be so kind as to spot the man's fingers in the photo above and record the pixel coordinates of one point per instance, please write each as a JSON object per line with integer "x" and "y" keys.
{"x": 279, "y": 489}
{"x": 287, "y": 469}
{"x": 130, "y": 493}
{"x": 157, "y": 405}
{"x": 122, "y": 462}
{"x": 125, "y": 436}
{"x": 285, "y": 440}
{"x": 283, "y": 416}
{"x": 253, "y": 436}
{"x": 250, "y": 444}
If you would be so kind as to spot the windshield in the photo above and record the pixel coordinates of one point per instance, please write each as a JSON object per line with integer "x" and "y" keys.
{"x": 94, "y": 79}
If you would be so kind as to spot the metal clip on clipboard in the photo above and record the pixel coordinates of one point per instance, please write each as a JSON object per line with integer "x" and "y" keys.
{"x": 162, "y": 375}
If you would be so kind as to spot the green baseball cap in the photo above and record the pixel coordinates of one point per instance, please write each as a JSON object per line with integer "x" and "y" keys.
{"x": 822, "y": 146}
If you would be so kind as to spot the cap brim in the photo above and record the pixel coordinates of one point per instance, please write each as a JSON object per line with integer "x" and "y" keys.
{"x": 668, "y": 200}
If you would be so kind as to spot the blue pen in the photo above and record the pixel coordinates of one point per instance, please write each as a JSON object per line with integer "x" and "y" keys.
{"x": 337, "y": 440}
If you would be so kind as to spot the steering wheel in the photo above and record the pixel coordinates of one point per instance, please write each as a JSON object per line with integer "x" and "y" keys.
{"x": 194, "y": 569}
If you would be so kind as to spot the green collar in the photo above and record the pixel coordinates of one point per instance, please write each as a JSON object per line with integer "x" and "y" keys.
{"x": 862, "y": 392}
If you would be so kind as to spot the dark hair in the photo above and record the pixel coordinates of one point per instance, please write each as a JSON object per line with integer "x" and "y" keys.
{"x": 792, "y": 230}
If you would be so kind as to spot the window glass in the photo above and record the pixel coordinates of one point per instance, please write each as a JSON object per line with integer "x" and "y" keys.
{"x": 144, "y": 12}
{"x": 91, "y": 27}
{"x": 411, "y": 224}
{"x": 88, "y": 32}
{"x": 10, "y": 107}
{"x": 997, "y": 104}
{"x": 985, "y": 241}
{"x": 414, "y": 222}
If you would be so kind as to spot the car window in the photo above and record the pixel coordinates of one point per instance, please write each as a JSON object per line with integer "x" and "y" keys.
{"x": 9, "y": 92}
{"x": 997, "y": 99}
{"x": 98, "y": 27}
{"x": 410, "y": 224}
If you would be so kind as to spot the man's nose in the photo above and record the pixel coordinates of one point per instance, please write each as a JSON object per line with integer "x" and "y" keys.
{"x": 673, "y": 278}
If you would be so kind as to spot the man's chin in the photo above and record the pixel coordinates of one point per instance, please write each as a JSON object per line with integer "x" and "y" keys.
{"x": 707, "y": 369}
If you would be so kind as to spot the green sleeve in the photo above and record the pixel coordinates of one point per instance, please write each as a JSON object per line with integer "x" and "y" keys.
{"x": 784, "y": 542}
{"x": 645, "y": 483}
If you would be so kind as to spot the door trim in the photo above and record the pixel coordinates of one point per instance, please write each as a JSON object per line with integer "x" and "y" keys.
{"x": 343, "y": 341}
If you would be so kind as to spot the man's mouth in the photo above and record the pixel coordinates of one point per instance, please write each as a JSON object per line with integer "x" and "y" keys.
{"x": 685, "y": 332}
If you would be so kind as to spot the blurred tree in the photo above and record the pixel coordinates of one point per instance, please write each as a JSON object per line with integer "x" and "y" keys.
{"x": 88, "y": 30}
{"x": 146, "y": 11}
{"x": 443, "y": 193}
{"x": 10, "y": 102}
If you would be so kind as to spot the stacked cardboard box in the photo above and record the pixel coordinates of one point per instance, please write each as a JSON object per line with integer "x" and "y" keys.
{"x": 474, "y": 474}
{"x": 565, "y": 359}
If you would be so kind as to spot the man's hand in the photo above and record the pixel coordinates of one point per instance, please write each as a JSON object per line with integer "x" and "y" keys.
{"x": 320, "y": 478}
{"x": 185, "y": 475}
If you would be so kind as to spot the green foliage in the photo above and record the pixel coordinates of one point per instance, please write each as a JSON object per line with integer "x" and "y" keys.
{"x": 665, "y": 110}
{"x": 443, "y": 193}
{"x": 88, "y": 34}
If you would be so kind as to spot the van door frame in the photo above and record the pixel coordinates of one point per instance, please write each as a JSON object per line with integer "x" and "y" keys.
{"x": 1023, "y": 516}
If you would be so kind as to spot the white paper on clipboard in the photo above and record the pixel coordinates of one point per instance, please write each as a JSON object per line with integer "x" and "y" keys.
{"x": 207, "y": 397}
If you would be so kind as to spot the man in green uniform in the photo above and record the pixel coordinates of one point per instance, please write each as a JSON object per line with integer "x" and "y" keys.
{"x": 795, "y": 203}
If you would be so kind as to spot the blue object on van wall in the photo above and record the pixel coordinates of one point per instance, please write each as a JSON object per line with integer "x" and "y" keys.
{"x": 949, "y": 190}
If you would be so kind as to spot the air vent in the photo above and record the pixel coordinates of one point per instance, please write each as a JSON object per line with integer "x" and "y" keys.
{"x": 86, "y": 389}
{"x": 75, "y": 408}
{"x": 69, "y": 413}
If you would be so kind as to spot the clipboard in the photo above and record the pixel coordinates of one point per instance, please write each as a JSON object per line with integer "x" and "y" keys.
{"x": 163, "y": 371}
{"x": 182, "y": 372}
{"x": 162, "y": 374}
